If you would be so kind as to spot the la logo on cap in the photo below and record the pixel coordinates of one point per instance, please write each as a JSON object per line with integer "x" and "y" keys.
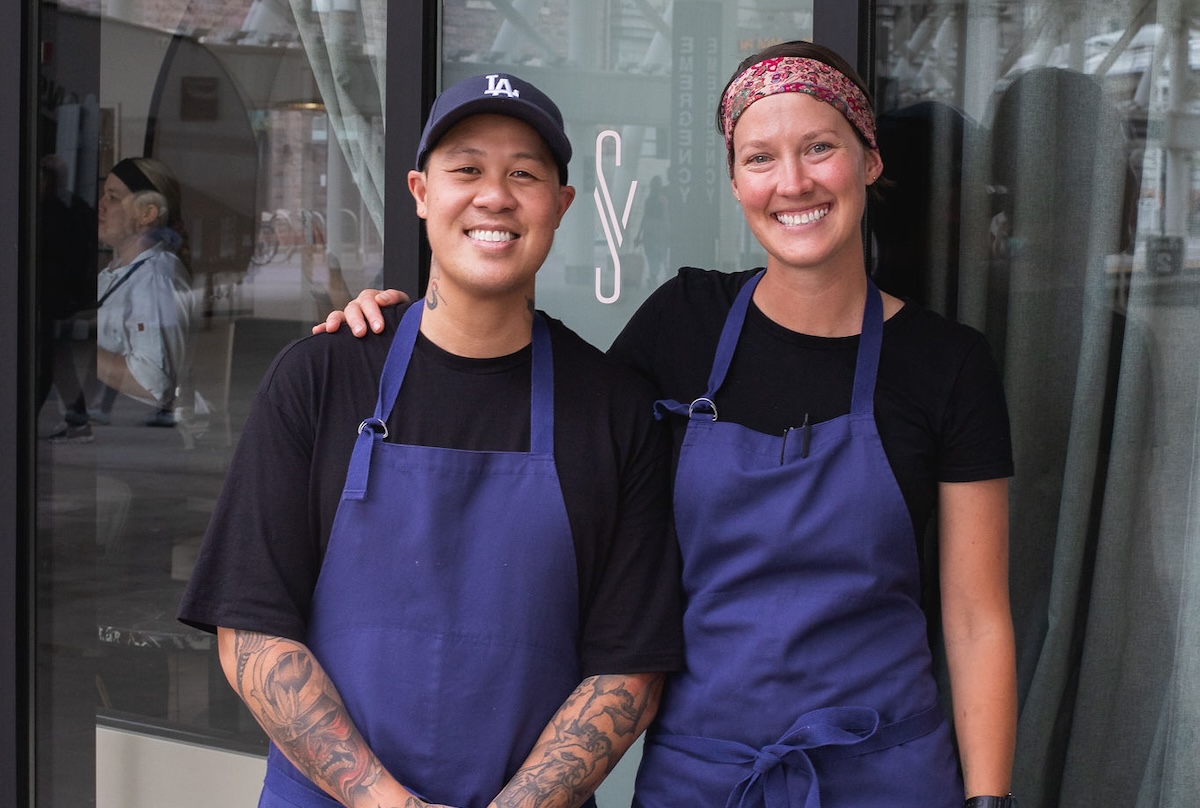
{"x": 503, "y": 86}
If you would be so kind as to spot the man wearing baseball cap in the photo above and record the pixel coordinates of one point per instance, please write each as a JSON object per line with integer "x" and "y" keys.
{"x": 440, "y": 571}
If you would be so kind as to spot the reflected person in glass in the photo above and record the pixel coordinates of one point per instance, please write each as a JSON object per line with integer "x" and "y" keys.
{"x": 458, "y": 603}
{"x": 144, "y": 304}
{"x": 821, "y": 426}
{"x": 67, "y": 294}
{"x": 654, "y": 233}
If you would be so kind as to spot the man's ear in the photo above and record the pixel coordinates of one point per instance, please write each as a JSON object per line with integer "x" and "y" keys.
{"x": 418, "y": 188}
{"x": 566, "y": 195}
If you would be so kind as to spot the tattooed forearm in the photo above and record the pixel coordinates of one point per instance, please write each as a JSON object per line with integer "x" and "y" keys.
{"x": 584, "y": 741}
{"x": 292, "y": 697}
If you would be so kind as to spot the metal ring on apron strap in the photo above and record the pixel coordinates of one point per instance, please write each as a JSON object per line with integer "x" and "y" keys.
{"x": 702, "y": 401}
{"x": 375, "y": 424}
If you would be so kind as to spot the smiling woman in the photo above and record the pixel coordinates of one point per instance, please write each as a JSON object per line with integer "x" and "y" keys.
{"x": 801, "y": 556}
{"x": 800, "y": 173}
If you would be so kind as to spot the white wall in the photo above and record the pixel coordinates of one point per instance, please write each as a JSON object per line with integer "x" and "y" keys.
{"x": 144, "y": 771}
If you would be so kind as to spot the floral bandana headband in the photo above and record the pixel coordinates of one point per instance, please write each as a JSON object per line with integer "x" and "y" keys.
{"x": 793, "y": 74}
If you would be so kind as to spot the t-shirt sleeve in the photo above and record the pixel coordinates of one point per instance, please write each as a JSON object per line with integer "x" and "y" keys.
{"x": 977, "y": 442}
{"x": 261, "y": 554}
{"x": 634, "y": 623}
{"x": 634, "y": 346}
{"x": 671, "y": 339}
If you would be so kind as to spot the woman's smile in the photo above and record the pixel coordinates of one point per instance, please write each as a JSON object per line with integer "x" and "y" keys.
{"x": 807, "y": 217}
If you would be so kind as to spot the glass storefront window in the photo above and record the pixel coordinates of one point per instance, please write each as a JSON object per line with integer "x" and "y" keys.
{"x": 263, "y": 122}
{"x": 268, "y": 115}
{"x": 1040, "y": 158}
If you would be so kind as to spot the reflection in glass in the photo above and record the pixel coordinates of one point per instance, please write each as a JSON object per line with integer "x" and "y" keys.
{"x": 210, "y": 180}
{"x": 144, "y": 295}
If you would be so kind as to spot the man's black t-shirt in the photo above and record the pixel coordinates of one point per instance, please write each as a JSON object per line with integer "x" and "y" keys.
{"x": 268, "y": 534}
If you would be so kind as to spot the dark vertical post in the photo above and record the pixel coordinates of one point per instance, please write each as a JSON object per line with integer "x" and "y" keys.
{"x": 847, "y": 27}
{"x": 412, "y": 69}
{"x": 15, "y": 342}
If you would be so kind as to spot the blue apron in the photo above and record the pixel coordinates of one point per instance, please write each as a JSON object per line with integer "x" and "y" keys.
{"x": 809, "y": 676}
{"x": 446, "y": 611}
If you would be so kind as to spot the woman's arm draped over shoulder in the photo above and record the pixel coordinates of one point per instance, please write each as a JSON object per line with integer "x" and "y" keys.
{"x": 361, "y": 312}
{"x": 292, "y": 698}
{"x": 584, "y": 741}
{"x": 977, "y": 622}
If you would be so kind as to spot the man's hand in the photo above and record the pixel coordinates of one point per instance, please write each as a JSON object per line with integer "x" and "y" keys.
{"x": 365, "y": 309}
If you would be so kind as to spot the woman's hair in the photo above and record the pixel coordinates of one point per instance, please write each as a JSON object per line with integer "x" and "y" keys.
{"x": 167, "y": 197}
{"x": 799, "y": 49}
{"x": 145, "y": 199}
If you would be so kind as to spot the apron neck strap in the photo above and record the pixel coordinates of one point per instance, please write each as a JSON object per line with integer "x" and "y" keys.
{"x": 866, "y": 368}
{"x": 866, "y": 365}
{"x": 541, "y": 416}
{"x": 396, "y": 366}
{"x": 730, "y": 334}
{"x": 117, "y": 285}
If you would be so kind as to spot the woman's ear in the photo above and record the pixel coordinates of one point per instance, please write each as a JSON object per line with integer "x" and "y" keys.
{"x": 874, "y": 165}
{"x": 147, "y": 214}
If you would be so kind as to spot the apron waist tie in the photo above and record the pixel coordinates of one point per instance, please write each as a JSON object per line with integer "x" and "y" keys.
{"x": 782, "y": 774}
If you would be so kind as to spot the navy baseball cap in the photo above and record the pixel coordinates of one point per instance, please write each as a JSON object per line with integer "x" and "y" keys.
{"x": 499, "y": 94}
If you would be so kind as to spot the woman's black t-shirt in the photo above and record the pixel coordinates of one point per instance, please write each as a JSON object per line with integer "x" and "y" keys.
{"x": 939, "y": 401}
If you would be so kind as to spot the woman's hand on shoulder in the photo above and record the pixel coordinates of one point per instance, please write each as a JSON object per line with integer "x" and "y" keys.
{"x": 361, "y": 312}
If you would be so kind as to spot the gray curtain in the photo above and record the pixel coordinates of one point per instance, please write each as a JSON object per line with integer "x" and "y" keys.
{"x": 1072, "y": 259}
{"x": 1099, "y": 357}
